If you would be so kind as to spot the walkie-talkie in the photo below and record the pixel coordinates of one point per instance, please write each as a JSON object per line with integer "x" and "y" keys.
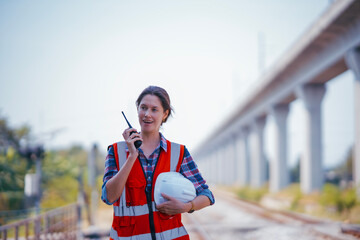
{"x": 138, "y": 142}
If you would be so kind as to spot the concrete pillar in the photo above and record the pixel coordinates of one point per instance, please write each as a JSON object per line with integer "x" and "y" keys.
{"x": 279, "y": 174}
{"x": 236, "y": 152}
{"x": 311, "y": 172}
{"x": 219, "y": 164}
{"x": 227, "y": 162}
{"x": 230, "y": 160}
{"x": 220, "y": 157}
{"x": 353, "y": 62}
{"x": 232, "y": 168}
{"x": 216, "y": 166}
{"x": 244, "y": 163}
{"x": 209, "y": 167}
{"x": 258, "y": 164}
{"x": 203, "y": 165}
{"x": 213, "y": 167}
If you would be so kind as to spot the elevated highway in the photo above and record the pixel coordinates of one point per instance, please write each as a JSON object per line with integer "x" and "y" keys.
{"x": 330, "y": 47}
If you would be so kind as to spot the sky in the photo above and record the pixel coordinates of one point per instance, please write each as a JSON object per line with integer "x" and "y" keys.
{"x": 70, "y": 67}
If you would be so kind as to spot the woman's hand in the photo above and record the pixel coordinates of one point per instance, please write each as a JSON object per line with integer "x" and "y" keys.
{"x": 130, "y": 139}
{"x": 172, "y": 206}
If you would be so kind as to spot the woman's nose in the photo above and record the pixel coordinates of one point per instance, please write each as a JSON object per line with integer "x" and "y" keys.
{"x": 147, "y": 112}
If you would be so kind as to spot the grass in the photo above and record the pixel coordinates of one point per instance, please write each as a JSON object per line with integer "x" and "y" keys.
{"x": 330, "y": 203}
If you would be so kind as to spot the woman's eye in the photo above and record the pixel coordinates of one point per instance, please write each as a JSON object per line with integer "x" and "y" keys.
{"x": 143, "y": 108}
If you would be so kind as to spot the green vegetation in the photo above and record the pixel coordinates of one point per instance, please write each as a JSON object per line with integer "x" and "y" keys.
{"x": 252, "y": 194}
{"x": 64, "y": 172}
{"x": 332, "y": 202}
{"x": 12, "y": 166}
{"x": 61, "y": 170}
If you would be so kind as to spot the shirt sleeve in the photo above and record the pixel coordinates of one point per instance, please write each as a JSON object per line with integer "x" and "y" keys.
{"x": 110, "y": 171}
{"x": 190, "y": 170}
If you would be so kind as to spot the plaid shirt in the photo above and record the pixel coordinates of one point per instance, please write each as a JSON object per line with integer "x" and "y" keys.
{"x": 188, "y": 169}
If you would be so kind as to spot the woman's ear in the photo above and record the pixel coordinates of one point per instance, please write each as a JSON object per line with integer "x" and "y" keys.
{"x": 165, "y": 115}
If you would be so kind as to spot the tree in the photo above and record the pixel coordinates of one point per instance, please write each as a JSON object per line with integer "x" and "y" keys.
{"x": 13, "y": 166}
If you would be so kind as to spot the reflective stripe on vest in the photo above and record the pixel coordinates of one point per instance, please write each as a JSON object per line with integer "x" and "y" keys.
{"x": 122, "y": 159}
{"x": 175, "y": 154}
{"x": 132, "y": 211}
{"x": 169, "y": 234}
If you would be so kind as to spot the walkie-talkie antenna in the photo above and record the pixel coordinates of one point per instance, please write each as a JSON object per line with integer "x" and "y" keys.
{"x": 126, "y": 119}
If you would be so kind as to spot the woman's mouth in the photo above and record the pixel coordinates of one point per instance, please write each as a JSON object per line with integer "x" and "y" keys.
{"x": 148, "y": 122}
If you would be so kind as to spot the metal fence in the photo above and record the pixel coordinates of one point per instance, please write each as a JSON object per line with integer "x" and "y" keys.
{"x": 61, "y": 223}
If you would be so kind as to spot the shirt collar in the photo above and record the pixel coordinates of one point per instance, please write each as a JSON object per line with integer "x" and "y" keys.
{"x": 163, "y": 144}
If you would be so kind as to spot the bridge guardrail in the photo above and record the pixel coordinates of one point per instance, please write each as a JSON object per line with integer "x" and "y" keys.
{"x": 60, "y": 223}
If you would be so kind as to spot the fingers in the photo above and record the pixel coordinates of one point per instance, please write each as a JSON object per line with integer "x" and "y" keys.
{"x": 171, "y": 206}
{"x": 165, "y": 208}
{"x": 160, "y": 206}
{"x": 130, "y": 136}
{"x": 129, "y": 132}
{"x": 165, "y": 204}
{"x": 167, "y": 197}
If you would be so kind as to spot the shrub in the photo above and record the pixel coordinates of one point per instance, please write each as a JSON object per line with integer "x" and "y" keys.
{"x": 252, "y": 194}
{"x": 330, "y": 197}
{"x": 348, "y": 198}
{"x": 60, "y": 191}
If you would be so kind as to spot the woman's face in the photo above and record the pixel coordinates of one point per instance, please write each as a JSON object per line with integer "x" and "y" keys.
{"x": 151, "y": 114}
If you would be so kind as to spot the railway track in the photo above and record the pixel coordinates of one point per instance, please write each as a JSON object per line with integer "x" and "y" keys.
{"x": 231, "y": 218}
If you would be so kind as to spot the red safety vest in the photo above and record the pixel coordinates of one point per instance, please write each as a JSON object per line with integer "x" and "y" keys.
{"x": 135, "y": 214}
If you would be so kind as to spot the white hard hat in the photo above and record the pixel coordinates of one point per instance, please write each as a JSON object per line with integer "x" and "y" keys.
{"x": 175, "y": 185}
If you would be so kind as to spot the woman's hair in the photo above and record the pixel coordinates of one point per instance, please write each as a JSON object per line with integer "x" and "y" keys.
{"x": 161, "y": 94}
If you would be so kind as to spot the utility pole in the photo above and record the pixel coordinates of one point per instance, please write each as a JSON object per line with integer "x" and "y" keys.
{"x": 92, "y": 182}
{"x": 32, "y": 189}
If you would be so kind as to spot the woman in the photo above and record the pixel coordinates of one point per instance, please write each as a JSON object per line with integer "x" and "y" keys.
{"x": 130, "y": 176}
